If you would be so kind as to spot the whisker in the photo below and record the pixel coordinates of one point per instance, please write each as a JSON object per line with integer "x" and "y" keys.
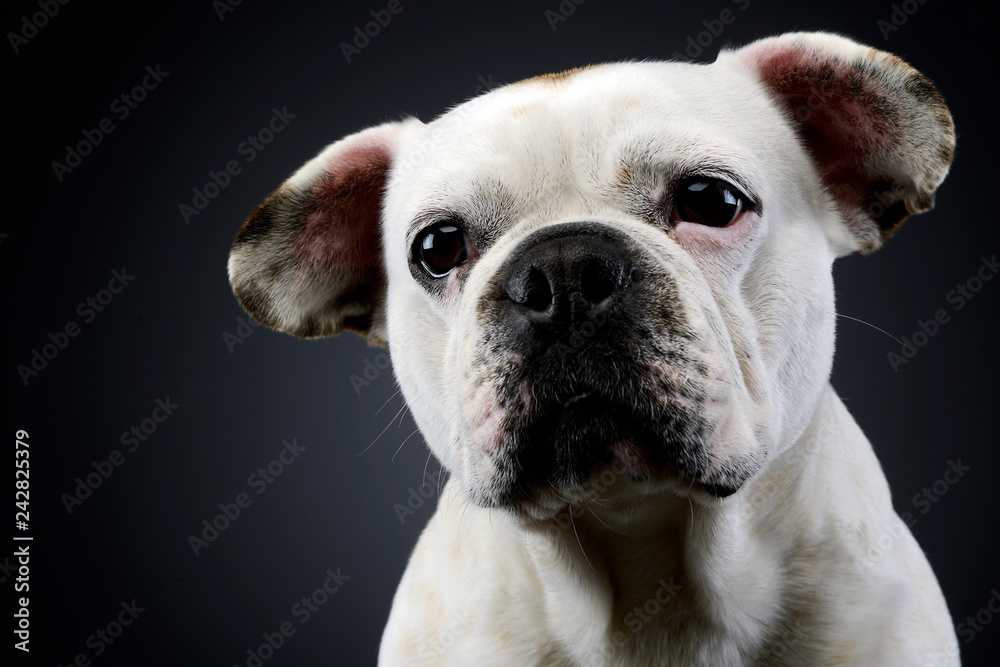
{"x": 383, "y": 431}
{"x": 691, "y": 524}
{"x": 594, "y": 514}
{"x": 403, "y": 443}
{"x": 427, "y": 463}
{"x": 465, "y": 506}
{"x": 876, "y": 329}
{"x": 691, "y": 507}
{"x": 442, "y": 474}
{"x": 387, "y": 402}
{"x": 582, "y": 550}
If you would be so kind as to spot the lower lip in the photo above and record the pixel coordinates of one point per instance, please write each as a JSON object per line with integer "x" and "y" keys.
{"x": 633, "y": 458}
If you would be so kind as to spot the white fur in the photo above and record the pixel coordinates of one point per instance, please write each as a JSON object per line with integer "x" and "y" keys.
{"x": 485, "y": 588}
{"x": 807, "y": 563}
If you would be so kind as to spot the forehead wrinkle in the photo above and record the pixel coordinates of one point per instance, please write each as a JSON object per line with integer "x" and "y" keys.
{"x": 563, "y": 153}
{"x": 485, "y": 204}
{"x": 690, "y": 151}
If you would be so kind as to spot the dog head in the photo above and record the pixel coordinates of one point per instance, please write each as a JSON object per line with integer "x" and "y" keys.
{"x": 624, "y": 266}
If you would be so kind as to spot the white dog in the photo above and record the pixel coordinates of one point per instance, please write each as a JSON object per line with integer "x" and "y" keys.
{"x": 607, "y": 293}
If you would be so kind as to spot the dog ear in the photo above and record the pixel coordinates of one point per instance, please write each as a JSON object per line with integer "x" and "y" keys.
{"x": 309, "y": 260}
{"x": 879, "y": 131}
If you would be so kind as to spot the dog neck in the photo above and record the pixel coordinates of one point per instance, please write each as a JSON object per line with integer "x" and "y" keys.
{"x": 682, "y": 568}
{"x": 732, "y": 570}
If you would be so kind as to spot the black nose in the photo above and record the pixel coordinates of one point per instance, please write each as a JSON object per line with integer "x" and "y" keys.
{"x": 568, "y": 274}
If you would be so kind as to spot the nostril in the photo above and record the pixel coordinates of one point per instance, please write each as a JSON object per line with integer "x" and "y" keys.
{"x": 597, "y": 282}
{"x": 537, "y": 291}
{"x": 530, "y": 288}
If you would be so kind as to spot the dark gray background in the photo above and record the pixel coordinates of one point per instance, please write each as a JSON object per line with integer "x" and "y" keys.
{"x": 162, "y": 336}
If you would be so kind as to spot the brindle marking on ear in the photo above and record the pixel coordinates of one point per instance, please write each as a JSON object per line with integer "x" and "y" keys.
{"x": 879, "y": 130}
{"x": 328, "y": 233}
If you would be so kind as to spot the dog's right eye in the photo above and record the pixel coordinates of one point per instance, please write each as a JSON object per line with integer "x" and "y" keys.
{"x": 440, "y": 248}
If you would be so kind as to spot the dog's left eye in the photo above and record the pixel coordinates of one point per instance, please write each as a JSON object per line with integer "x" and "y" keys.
{"x": 440, "y": 248}
{"x": 708, "y": 201}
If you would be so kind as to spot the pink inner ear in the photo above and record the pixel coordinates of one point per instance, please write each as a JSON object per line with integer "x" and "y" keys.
{"x": 341, "y": 233}
{"x": 844, "y": 114}
{"x": 373, "y": 149}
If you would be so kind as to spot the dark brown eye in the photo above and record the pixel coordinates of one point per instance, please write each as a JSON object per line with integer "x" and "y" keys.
{"x": 440, "y": 248}
{"x": 708, "y": 201}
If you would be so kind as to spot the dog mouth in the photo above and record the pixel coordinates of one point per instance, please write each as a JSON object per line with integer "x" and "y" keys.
{"x": 589, "y": 441}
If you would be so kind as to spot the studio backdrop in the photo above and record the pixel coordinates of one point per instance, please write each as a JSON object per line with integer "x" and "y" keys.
{"x": 206, "y": 491}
